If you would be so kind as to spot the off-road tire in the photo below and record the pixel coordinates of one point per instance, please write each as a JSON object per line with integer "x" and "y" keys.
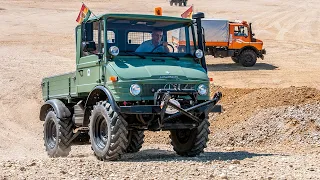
{"x": 135, "y": 139}
{"x": 193, "y": 143}
{"x": 57, "y": 133}
{"x": 108, "y": 132}
{"x": 248, "y": 58}
{"x": 235, "y": 59}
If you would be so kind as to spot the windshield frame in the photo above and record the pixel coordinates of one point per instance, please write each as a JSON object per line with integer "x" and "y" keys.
{"x": 186, "y": 26}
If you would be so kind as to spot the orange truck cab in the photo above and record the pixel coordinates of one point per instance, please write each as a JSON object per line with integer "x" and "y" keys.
{"x": 232, "y": 39}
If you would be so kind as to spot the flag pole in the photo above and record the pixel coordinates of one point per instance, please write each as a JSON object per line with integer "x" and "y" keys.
{"x": 90, "y": 10}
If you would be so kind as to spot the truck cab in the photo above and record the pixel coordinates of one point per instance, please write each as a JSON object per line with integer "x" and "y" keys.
{"x": 241, "y": 35}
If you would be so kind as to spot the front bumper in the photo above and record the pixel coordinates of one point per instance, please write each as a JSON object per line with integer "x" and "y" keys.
{"x": 261, "y": 53}
{"x": 208, "y": 107}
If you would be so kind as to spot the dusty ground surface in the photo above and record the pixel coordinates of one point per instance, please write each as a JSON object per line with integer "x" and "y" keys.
{"x": 270, "y": 128}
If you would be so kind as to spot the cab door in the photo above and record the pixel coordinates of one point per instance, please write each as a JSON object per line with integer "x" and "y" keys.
{"x": 240, "y": 36}
{"x": 88, "y": 73}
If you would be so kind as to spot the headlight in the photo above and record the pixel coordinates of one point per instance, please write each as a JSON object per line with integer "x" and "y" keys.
{"x": 135, "y": 89}
{"x": 114, "y": 50}
{"x": 199, "y": 53}
{"x": 202, "y": 89}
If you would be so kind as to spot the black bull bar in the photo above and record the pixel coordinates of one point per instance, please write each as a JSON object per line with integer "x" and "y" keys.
{"x": 205, "y": 107}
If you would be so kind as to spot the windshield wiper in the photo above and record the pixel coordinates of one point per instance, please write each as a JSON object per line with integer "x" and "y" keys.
{"x": 135, "y": 54}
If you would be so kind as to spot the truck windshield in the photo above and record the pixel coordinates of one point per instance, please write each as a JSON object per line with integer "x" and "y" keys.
{"x": 146, "y": 37}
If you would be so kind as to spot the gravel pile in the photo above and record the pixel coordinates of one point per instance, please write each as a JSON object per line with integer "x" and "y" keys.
{"x": 299, "y": 124}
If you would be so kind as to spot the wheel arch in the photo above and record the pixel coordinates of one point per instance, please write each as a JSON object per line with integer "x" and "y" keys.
{"x": 249, "y": 48}
{"x": 58, "y": 106}
{"x": 101, "y": 93}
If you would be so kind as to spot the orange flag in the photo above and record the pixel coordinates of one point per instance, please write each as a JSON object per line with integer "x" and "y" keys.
{"x": 188, "y": 13}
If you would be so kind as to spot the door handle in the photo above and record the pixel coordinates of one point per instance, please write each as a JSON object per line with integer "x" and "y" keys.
{"x": 80, "y": 72}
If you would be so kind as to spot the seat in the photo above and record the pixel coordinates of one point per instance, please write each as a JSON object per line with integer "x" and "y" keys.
{"x": 88, "y": 48}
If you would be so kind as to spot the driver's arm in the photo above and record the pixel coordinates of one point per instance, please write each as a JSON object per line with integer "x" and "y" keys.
{"x": 165, "y": 45}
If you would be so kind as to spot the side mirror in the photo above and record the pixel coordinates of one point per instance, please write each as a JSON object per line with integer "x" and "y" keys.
{"x": 198, "y": 15}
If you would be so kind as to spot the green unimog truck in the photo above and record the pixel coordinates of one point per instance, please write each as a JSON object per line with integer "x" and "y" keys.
{"x": 116, "y": 94}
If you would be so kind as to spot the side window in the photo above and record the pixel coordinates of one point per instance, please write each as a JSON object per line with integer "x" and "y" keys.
{"x": 111, "y": 37}
{"x": 241, "y": 31}
{"x": 138, "y": 37}
{"x": 92, "y": 38}
{"x": 178, "y": 39}
{"x": 173, "y": 38}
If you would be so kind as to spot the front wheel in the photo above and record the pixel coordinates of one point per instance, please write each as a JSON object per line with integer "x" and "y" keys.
{"x": 57, "y": 133}
{"x": 108, "y": 132}
{"x": 248, "y": 58}
{"x": 190, "y": 142}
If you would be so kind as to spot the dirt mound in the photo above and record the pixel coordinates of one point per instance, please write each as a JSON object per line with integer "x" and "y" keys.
{"x": 240, "y": 104}
{"x": 284, "y": 125}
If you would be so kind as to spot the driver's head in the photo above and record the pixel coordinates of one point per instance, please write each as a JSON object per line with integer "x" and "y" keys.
{"x": 156, "y": 35}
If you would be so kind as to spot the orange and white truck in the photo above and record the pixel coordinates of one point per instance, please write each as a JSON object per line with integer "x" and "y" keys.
{"x": 224, "y": 38}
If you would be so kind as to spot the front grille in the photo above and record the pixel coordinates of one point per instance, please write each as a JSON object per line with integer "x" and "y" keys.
{"x": 150, "y": 89}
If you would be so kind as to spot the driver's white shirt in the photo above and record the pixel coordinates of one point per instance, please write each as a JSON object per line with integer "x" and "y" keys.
{"x": 148, "y": 46}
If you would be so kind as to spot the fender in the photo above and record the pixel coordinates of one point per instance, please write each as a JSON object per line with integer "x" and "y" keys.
{"x": 102, "y": 93}
{"x": 59, "y": 108}
{"x": 249, "y": 47}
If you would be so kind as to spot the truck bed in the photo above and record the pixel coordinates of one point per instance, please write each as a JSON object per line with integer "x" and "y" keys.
{"x": 59, "y": 86}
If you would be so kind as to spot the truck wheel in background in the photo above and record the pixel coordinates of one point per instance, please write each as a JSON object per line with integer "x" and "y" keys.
{"x": 248, "y": 58}
{"x": 171, "y": 3}
{"x": 180, "y": 3}
{"x": 235, "y": 59}
{"x": 57, "y": 133}
{"x": 185, "y": 3}
{"x": 135, "y": 139}
{"x": 108, "y": 132}
{"x": 190, "y": 142}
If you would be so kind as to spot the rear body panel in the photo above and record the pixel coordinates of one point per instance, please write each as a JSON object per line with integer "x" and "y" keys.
{"x": 60, "y": 86}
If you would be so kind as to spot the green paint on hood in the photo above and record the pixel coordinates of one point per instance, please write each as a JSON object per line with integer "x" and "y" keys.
{"x": 158, "y": 68}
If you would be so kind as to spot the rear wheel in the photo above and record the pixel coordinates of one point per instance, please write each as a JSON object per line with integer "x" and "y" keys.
{"x": 235, "y": 59}
{"x": 57, "y": 134}
{"x": 135, "y": 139}
{"x": 190, "y": 142}
{"x": 108, "y": 132}
{"x": 248, "y": 58}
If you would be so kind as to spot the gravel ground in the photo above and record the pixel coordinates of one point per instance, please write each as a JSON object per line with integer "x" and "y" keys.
{"x": 160, "y": 162}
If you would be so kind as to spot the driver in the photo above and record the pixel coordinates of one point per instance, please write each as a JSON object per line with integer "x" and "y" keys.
{"x": 151, "y": 44}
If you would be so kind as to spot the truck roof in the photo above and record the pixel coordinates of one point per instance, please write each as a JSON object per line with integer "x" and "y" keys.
{"x": 141, "y": 16}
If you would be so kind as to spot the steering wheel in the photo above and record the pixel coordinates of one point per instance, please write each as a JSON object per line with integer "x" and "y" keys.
{"x": 162, "y": 45}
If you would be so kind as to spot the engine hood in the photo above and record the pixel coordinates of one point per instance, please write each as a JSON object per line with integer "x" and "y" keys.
{"x": 158, "y": 68}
